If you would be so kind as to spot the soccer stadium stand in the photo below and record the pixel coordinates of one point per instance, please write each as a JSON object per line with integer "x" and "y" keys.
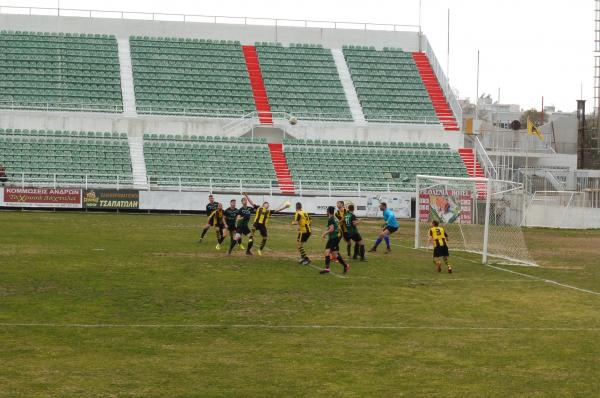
{"x": 59, "y": 71}
{"x": 372, "y": 164}
{"x": 37, "y": 156}
{"x": 190, "y": 76}
{"x": 176, "y": 160}
{"x": 303, "y": 80}
{"x": 389, "y": 85}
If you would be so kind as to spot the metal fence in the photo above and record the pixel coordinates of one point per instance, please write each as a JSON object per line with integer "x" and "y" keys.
{"x": 514, "y": 141}
{"x": 200, "y": 183}
{"x": 222, "y": 19}
{"x": 60, "y": 106}
{"x": 63, "y": 180}
{"x": 443, "y": 81}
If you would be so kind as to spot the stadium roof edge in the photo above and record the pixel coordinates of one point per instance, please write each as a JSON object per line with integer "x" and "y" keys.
{"x": 214, "y": 19}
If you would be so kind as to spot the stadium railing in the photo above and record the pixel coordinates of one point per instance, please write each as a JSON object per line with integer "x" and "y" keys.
{"x": 75, "y": 180}
{"x": 483, "y": 157}
{"x": 210, "y": 184}
{"x": 267, "y": 186}
{"x": 174, "y": 17}
{"x": 60, "y": 106}
{"x": 245, "y": 122}
{"x": 443, "y": 80}
{"x": 515, "y": 141}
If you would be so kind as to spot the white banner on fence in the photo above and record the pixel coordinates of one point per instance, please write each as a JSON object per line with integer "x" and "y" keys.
{"x": 399, "y": 203}
{"x": 197, "y": 201}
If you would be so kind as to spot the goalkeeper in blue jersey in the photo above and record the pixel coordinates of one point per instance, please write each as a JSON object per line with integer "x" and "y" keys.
{"x": 391, "y": 225}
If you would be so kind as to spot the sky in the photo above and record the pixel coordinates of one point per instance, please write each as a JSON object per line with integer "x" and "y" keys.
{"x": 528, "y": 48}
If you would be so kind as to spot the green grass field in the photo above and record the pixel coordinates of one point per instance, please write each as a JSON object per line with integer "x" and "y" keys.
{"x": 107, "y": 305}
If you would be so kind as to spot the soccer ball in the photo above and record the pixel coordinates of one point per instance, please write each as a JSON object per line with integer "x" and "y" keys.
{"x": 293, "y": 120}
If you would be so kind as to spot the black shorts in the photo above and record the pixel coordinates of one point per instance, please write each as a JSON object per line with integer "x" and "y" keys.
{"x": 262, "y": 229}
{"x": 356, "y": 237}
{"x": 231, "y": 227}
{"x": 391, "y": 229}
{"x": 303, "y": 236}
{"x": 211, "y": 222}
{"x": 346, "y": 236}
{"x": 242, "y": 229}
{"x": 333, "y": 244}
{"x": 440, "y": 251}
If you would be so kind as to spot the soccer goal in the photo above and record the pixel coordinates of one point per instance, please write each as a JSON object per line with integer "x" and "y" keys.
{"x": 480, "y": 215}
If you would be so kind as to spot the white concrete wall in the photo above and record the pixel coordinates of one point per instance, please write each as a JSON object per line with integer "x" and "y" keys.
{"x": 137, "y": 126}
{"x": 553, "y": 216}
{"x": 247, "y": 34}
{"x": 565, "y": 133}
{"x": 557, "y": 160}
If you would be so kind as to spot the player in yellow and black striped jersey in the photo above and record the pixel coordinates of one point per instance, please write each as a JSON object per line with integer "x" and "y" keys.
{"x": 217, "y": 220}
{"x": 210, "y": 207}
{"x": 261, "y": 219}
{"x": 439, "y": 237}
{"x": 302, "y": 220}
{"x": 340, "y": 214}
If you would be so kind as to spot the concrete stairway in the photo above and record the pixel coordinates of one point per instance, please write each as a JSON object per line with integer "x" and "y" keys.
{"x": 138, "y": 163}
{"x": 436, "y": 94}
{"x": 284, "y": 178}
{"x": 474, "y": 170}
{"x": 346, "y": 79}
{"x": 258, "y": 85}
{"x": 127, "y": 87}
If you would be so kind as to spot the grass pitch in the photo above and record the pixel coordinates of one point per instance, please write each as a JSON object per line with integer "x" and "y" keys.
{"x": 107, "y": 305}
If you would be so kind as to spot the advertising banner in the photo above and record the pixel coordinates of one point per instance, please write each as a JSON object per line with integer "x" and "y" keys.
{"x": 41, "y": 197}
{"x": 399, "y": 203}
{"x": 111, "y": 199}
{"x": 448, "y": 206}
{"x": 196, "y": 201}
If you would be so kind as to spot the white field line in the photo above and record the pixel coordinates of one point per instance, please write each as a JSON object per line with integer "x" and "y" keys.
{"x": 281, "y": 327}
{"x": 549, "y": 281}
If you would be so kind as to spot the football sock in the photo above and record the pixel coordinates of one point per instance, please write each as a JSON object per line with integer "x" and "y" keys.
{"x": 387, "y": 241}
{"x": 250, "y": 244}
{"x": 218, "y": 233}
{"x": 263, "y": 243}
{"x": 356, "y": 249}
{"x": 362, "y": 251}
{"x": 302, "y": 252}
{"x": 327, "y": 261}
{"x": 204, "y": 231}
{"x": 377, "y": 242}
{"x": 341, "y": 261}
{"x": 232, "y": 244}
{"x": 349, "y": 246}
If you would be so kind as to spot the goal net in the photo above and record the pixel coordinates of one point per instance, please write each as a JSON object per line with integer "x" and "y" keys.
{"x": 480, "y": 215}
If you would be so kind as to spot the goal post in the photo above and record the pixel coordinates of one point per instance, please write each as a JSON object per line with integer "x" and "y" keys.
{"x": 480, "y": 215}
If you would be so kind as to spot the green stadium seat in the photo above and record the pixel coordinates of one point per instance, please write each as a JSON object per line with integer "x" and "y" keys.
{"x": 68, "y": 155}
{"x": 59, "y": 72}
